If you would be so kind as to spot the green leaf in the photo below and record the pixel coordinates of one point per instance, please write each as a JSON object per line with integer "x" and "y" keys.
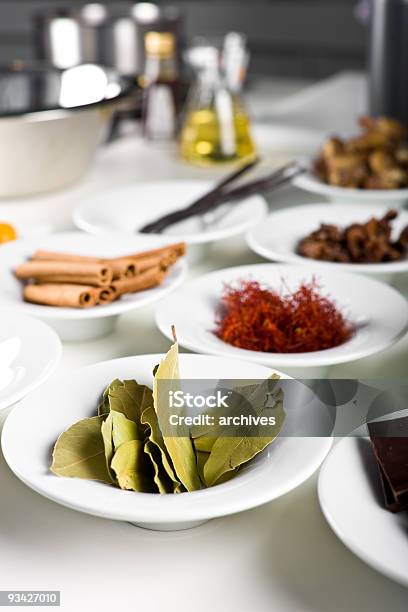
{"x": 106, "y": 431}
{"x": 104, "y": 407}
{"x": 230, "y": 452}
{"x": 123, "y": 429}
{"x": 204, "y": 443}
{"x": 130, "y": 467}
{"x": 179, "y": 443}
{"x": 80, "y": 452}
{"x": 163, "y": 460}
{"x": 160, "y": 477}
{"x": 130, "y": 399}
{"x": 202, "y": 457}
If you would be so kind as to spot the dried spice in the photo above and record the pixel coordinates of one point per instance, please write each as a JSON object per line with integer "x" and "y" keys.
{"x": 369, "y": 242}
{"x": 259, "y": 318}
{"x": 375, "y": 159}
{"x": 130, "y": 444}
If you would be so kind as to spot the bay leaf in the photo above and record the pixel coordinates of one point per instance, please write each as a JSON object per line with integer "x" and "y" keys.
{"x": 104, "y": 407}
{"x": 230, "y": 452}
{"x": 202, "y": 457}
{"x": 160, "y": 477}
{"x": 204, "y": 443}
{"x": 130, "y": 466}
{"x": 106, "y": 431}
{"x": 130, "y": 399}
{"x": 178, "y": 444}
{"x": 123, "y": 429}
{"x": 80, "y": 452}
{"x": 149, "y": 418}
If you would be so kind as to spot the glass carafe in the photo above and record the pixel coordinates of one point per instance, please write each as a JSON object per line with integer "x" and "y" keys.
{"x": 216, "y": 126}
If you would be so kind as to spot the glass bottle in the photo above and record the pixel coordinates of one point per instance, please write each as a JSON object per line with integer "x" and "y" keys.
{"x": 216, "y": 128}
{"x": 160, "y": 81}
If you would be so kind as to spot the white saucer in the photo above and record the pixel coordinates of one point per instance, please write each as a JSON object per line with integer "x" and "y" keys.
{"x": 351, "y": 499}
{"x": 283, "y": 466}
{"x": 29, "y": 353}
{"x": 75, "y": 324}
{"x": 380, "y": 312}
{"x": 349, "y": 195}
{"x": 126, "y": 209}
{"x": 276, "y": 238}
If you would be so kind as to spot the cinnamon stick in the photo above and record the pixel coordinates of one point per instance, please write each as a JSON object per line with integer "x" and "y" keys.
{"x": 120, "y": 266}
{"x": 71, "y": 296}
{"x": 107, "y": 295}
{"x": 77, "y": 273}
{"x": 170, "y": 251}
{"x": 146, "y": 280}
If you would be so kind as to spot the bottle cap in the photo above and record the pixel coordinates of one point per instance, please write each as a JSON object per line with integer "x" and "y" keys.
{"x": 160, "y": 44}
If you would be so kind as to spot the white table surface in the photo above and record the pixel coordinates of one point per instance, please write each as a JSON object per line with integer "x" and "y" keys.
{"x": 281, "y": 557}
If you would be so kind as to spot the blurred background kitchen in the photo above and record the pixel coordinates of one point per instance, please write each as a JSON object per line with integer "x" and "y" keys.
{"x": 211, "y": 78}
{"x": 296, "y": 38}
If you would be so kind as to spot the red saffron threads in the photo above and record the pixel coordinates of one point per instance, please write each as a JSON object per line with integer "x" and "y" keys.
{"x": 262, "y": 319}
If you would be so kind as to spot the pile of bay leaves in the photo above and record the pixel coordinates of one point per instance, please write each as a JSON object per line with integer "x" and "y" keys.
{"x": 124, "y": 445}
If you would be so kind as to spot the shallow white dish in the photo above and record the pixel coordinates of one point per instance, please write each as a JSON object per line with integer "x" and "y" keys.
{"x": 126, "y": 209}
{"x": 286, "y": 464}
{"x": 276, "y": 238}
{"x": 348, "y": 195}
{"x": 351, "y": 499}
{"x": 75, "y": 324}
{"x": 380, "y": 312}
{"x": 29, "y": 353}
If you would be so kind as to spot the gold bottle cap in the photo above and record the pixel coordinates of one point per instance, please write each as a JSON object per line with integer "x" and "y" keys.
{"x": 160, "y": 44}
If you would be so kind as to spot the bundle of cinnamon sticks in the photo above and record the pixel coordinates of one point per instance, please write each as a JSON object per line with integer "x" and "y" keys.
{"x": 66, "y": 280}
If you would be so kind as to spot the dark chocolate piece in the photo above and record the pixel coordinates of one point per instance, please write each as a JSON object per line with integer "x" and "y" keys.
{"x": 390, "y": 444}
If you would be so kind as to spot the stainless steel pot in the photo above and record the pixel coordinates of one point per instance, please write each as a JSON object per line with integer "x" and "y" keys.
{"x": 52, "y": 122}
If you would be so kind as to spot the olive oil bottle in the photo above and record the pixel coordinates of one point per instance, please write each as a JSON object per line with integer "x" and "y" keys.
{"x": 216, "y": 127}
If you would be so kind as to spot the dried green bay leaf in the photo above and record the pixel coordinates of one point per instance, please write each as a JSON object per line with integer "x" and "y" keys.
{"x": 130, "y": 399}
{"x": 149, "y": 418}
{"x": 103, "y": 407}
{"x": 204, "y": 443}
{"x": 230, "y": 452}
{"x": 160, "y": 476}
{"x": 80, "y": 452}
{"x": 178, "y": 444}
{"x": 106, "y": 431}
{"x": 202, "y": 458}
{"x": 131, "y": 468}
{"x": 123, "y": 429}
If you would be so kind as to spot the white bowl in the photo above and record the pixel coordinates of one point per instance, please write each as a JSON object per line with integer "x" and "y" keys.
{"x": 379, "y": 311}
{"x": 127, "y": 209}
{"x": 75, "y": 324}
{"x": 276, "y": 238}
{"x": 349, "y": 195}
{"x": 29, "y": 353}
{"x": 281, "y": 467}
{"x": 351, "y": 499}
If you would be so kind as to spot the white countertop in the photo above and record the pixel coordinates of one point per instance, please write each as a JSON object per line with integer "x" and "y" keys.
{"x": 281, "y": 557}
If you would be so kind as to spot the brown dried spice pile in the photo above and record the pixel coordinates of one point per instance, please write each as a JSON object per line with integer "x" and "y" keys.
{"x": 376, "y": 159}
{"x": 369, "y": 242}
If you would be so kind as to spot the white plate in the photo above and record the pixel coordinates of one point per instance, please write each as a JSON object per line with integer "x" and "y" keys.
{"x": 351, "y": 499}
{"x": 276, "y": 238}
{"x": 76, "y": 323}
{"x": 126, "y": 209}
{"x": 380, "y": 310}
{"x": 349, "y": 195}
{"x": 286, "y": 464}
{"x": 277, "y": 139}
{"x": 29, "y": 353}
